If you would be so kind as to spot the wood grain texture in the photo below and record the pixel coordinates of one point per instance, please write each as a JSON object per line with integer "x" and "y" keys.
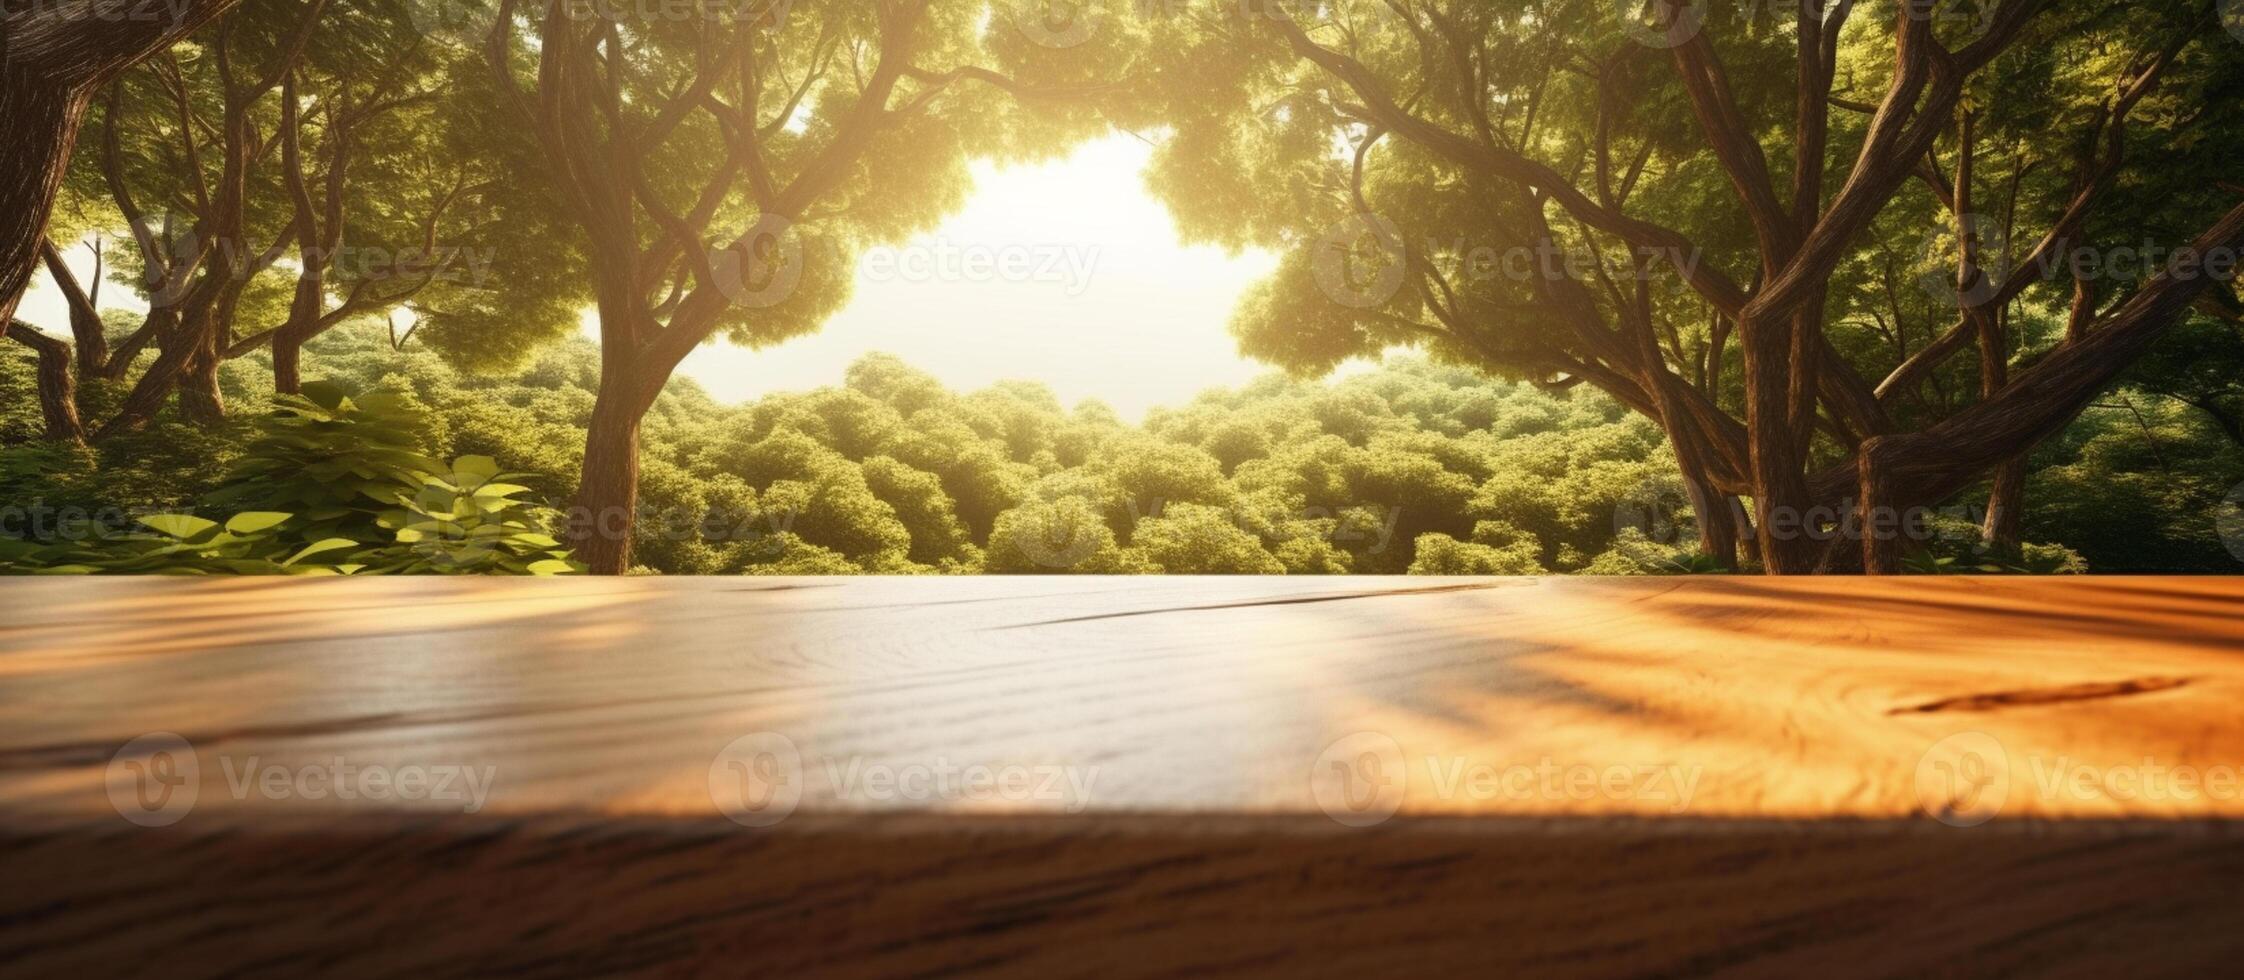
{"x": 1576, "y": 776}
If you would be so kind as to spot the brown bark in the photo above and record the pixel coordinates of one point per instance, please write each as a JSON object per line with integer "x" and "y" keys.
{"x": 1779, "y": 485}
{"x": 2006, "y": 504}
{"x": 179, "y": 342}
{"x": 56, "y": 56}
{"x": 1718, "y": 526}
{"x": 38, "y": 125}
{"x": 596, "y": 159}
{"x": 1931, "y": 465}
{"x": 200, "y": 399}
{"x": 1881, "y": 537}
{"x": 1999, "y": 528}
{"x": 608, "y": 496}
{"x": 288, "y": 364}
{"x": 321, "y": 231}
{"x": 87, "y": 332}
{"x": 158, "y": 323}
{"x": 58, "y": 386}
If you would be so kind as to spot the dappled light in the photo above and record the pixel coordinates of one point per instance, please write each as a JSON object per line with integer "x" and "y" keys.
{"x": 1068, "y": 488}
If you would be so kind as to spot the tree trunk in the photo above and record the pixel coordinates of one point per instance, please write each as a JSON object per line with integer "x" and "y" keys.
{"x": 1931, "y": 465}
{"x": 58, "y": 385}
{"x": 288, "y": 363}
{"x": 38, "y": 125}
{"x": 1749, "y": 541}
{"x": 200, "y": 400}
{"x": 608, "y": 495}
{"x": 56, "y": 56}
{"x": 178, "y": 343}
{"x": 87, "y": 331}
{"x": 1879, "y": 517}
{"x": 1991, "y": 323}
{"x": 1780, "y": 491}
{"x": 1718, "y": 527}
{"x": 158, "y": 324}
{"x": 2006, "y": 504}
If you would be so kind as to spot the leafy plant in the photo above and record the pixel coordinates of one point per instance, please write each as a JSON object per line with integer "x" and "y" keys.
{"x": 333, "y": 460}
{"x": 178, "y": 544}
{"x": 332, "y": 483}
{"x": 468, "y": 520}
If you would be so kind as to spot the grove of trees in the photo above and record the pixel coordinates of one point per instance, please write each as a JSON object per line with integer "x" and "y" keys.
{"x": 1416, "y": 467}
{"x": 1832, "y": 278}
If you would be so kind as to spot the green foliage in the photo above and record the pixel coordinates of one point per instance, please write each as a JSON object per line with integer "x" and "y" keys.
{"x": 332, "y": 460}
{"x": 328, "y": 483}
{"x": 467, "y": 519}
{"x": 1194, "y": 539}
{"x": 1058, "y": 537}
{"x": 249, "y": 543}
{"x": 1440, "y": 554}
{"x": 1414, "y": 467}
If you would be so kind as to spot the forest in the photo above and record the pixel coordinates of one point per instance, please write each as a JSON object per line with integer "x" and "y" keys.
{"x": 1658, "y": 288}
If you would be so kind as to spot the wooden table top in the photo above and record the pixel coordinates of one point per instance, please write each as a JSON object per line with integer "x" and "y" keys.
{"x": 1101, "y": 777}
{"x": 1701, "y": 698}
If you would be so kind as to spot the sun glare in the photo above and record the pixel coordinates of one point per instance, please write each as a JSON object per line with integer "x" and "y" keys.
{"x": 1069, "y": 273}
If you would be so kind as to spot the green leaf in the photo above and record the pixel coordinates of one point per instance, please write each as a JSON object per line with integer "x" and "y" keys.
{"x": 320, "y": 548}
{"x": 179, "y": 526}
{"x": 326, "y": 395}
{"x": 552, "y": 566}
{"x": 480, "y": 467}
{"x": 256, "y": 521}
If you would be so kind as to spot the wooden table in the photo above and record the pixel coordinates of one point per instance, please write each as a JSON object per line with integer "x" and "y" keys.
{"x": 1078, "y": 777}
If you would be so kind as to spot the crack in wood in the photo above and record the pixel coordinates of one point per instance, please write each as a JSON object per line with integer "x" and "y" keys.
{"x": 2034, "y": 697}
{"x": 1254, "y": 603}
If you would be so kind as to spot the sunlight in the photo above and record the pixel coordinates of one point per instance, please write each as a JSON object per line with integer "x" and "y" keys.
{"x": 1102, "y": 302}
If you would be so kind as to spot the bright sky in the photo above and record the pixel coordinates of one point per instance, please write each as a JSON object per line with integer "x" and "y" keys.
{"x": 1102, "y": 301}
{"x": 1068, "y": 273}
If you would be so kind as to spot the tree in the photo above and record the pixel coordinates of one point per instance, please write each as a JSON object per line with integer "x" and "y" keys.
{"x": 58, "y": 387}
{"x": 306, "y": 140}
{"x": 53, "y": 58}
{"x": 1515, "y": 194}
{"x": 195, "y": 272}
{"x": 789, "y": 134}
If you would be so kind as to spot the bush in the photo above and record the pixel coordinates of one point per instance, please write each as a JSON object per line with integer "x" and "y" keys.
{"x": 329, "y": 484}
